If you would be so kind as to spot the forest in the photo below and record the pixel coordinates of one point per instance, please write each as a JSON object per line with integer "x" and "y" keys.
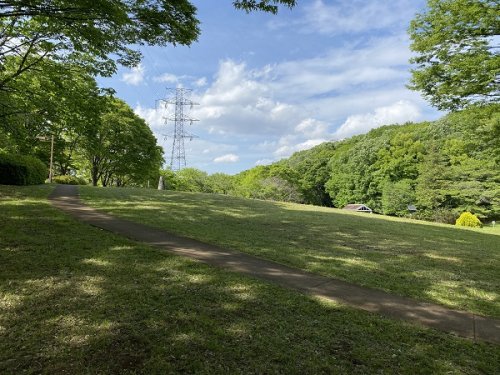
{"x": 443, "y": 168}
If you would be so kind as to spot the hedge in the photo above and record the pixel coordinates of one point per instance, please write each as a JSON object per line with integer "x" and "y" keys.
{"x": 21, "y": 170}
{"x": 69, "y": 180}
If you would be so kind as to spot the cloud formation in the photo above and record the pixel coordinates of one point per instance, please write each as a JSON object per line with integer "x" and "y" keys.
{"x": 135, "y": 77}
{"x": 397, "y": 113}
{"x": 228, "y": 158}
{"x": 356, "y": 16}
{"x": 346, "y": 77}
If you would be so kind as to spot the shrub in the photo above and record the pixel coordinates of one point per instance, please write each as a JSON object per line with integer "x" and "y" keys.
{"x": 69, "y": 180}
{"x": 444, "y": 215}
{"x": 21, "y": 170}
{"x": 467, "y": 219}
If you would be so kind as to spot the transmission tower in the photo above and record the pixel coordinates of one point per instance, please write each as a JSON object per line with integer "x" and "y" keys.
{"x": 178, "y": 97}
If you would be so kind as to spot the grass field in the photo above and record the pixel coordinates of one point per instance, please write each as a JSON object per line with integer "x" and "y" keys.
{"x": 455, "y": 267}
{"x": 75, "y": 299}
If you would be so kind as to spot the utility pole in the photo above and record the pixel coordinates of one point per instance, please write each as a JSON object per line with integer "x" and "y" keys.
{"x": 180, "y": 99}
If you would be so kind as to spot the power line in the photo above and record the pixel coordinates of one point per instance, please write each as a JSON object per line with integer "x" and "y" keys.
{"x": 179, "y": 97}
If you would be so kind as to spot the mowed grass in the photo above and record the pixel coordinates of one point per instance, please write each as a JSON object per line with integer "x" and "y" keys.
{"x": 75, "y": 299}
{"x": 455, "y": 267}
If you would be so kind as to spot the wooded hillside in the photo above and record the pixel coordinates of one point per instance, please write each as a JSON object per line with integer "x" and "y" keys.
{"x": 442, "y": 167}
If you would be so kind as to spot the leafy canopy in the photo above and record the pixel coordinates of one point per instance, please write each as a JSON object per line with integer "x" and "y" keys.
{"x": 457, "y": 60}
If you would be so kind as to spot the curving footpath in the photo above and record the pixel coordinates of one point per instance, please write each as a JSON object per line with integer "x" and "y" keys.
{"x": 465, "y": 324}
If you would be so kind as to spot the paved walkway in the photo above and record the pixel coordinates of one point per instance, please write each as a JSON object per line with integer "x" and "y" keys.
{"x": 460, "y": 323}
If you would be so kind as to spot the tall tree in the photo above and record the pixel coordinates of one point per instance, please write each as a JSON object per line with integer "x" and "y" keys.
{"x": 457, "y": 52}
{"x": 119, "y": 148}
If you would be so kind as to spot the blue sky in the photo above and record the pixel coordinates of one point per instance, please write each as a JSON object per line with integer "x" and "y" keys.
{"x": 272, "y": 85}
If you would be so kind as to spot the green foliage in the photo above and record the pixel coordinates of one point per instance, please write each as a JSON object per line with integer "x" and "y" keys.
{"x": 457, "y": 61}
{"x": 21, "y": 170}
{"x": 192, "y": 179}
{"x": 468, "y": 219}
{"x": 69, "y": 180}
{"x": 363, "y": 165}
{"x": 94, "y": 34}
{"x": 441, "y": 215}
{"x": 443, "y": 167}
{"x": 263, "y": 5}
{"x": 396, "y": 196}
{"x": 119, "y": 148}
{"x": 169, "y": 179}
{"x": 310, "y": 172}
{"x": 220, "y": 183}
{"x": 277, "y": 189}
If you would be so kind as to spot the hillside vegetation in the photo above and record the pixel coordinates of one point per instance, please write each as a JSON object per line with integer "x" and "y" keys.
{"x": 451, "y": 266}
{"x": 444, "y": 168}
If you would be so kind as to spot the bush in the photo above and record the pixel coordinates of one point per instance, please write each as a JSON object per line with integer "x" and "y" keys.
{"x": 21, "y": 170}
{"x": 444, "y": 215}
{"x": 69, "y": 180}
{"x": 467, "y": 219}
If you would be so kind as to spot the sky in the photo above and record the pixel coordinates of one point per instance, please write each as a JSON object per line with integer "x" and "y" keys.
{"x": 267, "y": 85}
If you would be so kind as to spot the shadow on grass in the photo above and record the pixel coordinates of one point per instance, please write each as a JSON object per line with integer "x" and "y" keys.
{"x": 453, "y": 267}
{"x": 79, "y": 300}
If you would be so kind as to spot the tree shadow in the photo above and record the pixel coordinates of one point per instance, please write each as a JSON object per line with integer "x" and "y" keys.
{"x": 446, "y": 265}
{"x": 75, "y": 299}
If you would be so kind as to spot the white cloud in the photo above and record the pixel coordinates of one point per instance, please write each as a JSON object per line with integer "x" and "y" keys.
{"x": 154, "y": 117}
{"x": 267, "y": 113}
{"x": 201, "y": 82}
{"x": 228, "y": 158}
{"x": 289, "y": 147}
{"x": 166, "y": 78}
{"x": 264, "y": 161}
{"x": 354, "y": 67}
{"x": 400, "y": 112}
{"x": 356, "y": 16}
{"x": 312, "y": 128}
{"x": 135, "y": 76}
{"x": 239, "y": 102}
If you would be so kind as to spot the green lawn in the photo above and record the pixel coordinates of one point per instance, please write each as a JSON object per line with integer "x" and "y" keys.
{"x": 455, "y": 267}
{"x": 75, "y": 299}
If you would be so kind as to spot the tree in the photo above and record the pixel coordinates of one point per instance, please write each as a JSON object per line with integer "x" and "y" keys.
{"x": 457, "y": 62}
{"x": 192, "y": 179}
{"x": 53, "y": 100}
{"x": 220, "y": 183}
{"x": 120, "y": 148}
{"x": 396, "y": 196}
{"x": 97, "y": 34}
{"x": 278, "y": 189}
{"x": 169, "y": 179}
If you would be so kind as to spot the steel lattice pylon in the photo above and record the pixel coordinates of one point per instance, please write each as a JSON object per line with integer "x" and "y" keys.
{"x": 179, "y": 98}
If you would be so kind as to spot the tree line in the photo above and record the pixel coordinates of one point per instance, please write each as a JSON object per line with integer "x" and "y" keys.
{"x": 96, "y": 135}
{"x": 443, "y": 168}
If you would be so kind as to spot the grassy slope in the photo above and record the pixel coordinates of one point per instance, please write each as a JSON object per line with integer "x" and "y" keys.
{"x": 75, "y": 299}
{"x": 455, "y": 267}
